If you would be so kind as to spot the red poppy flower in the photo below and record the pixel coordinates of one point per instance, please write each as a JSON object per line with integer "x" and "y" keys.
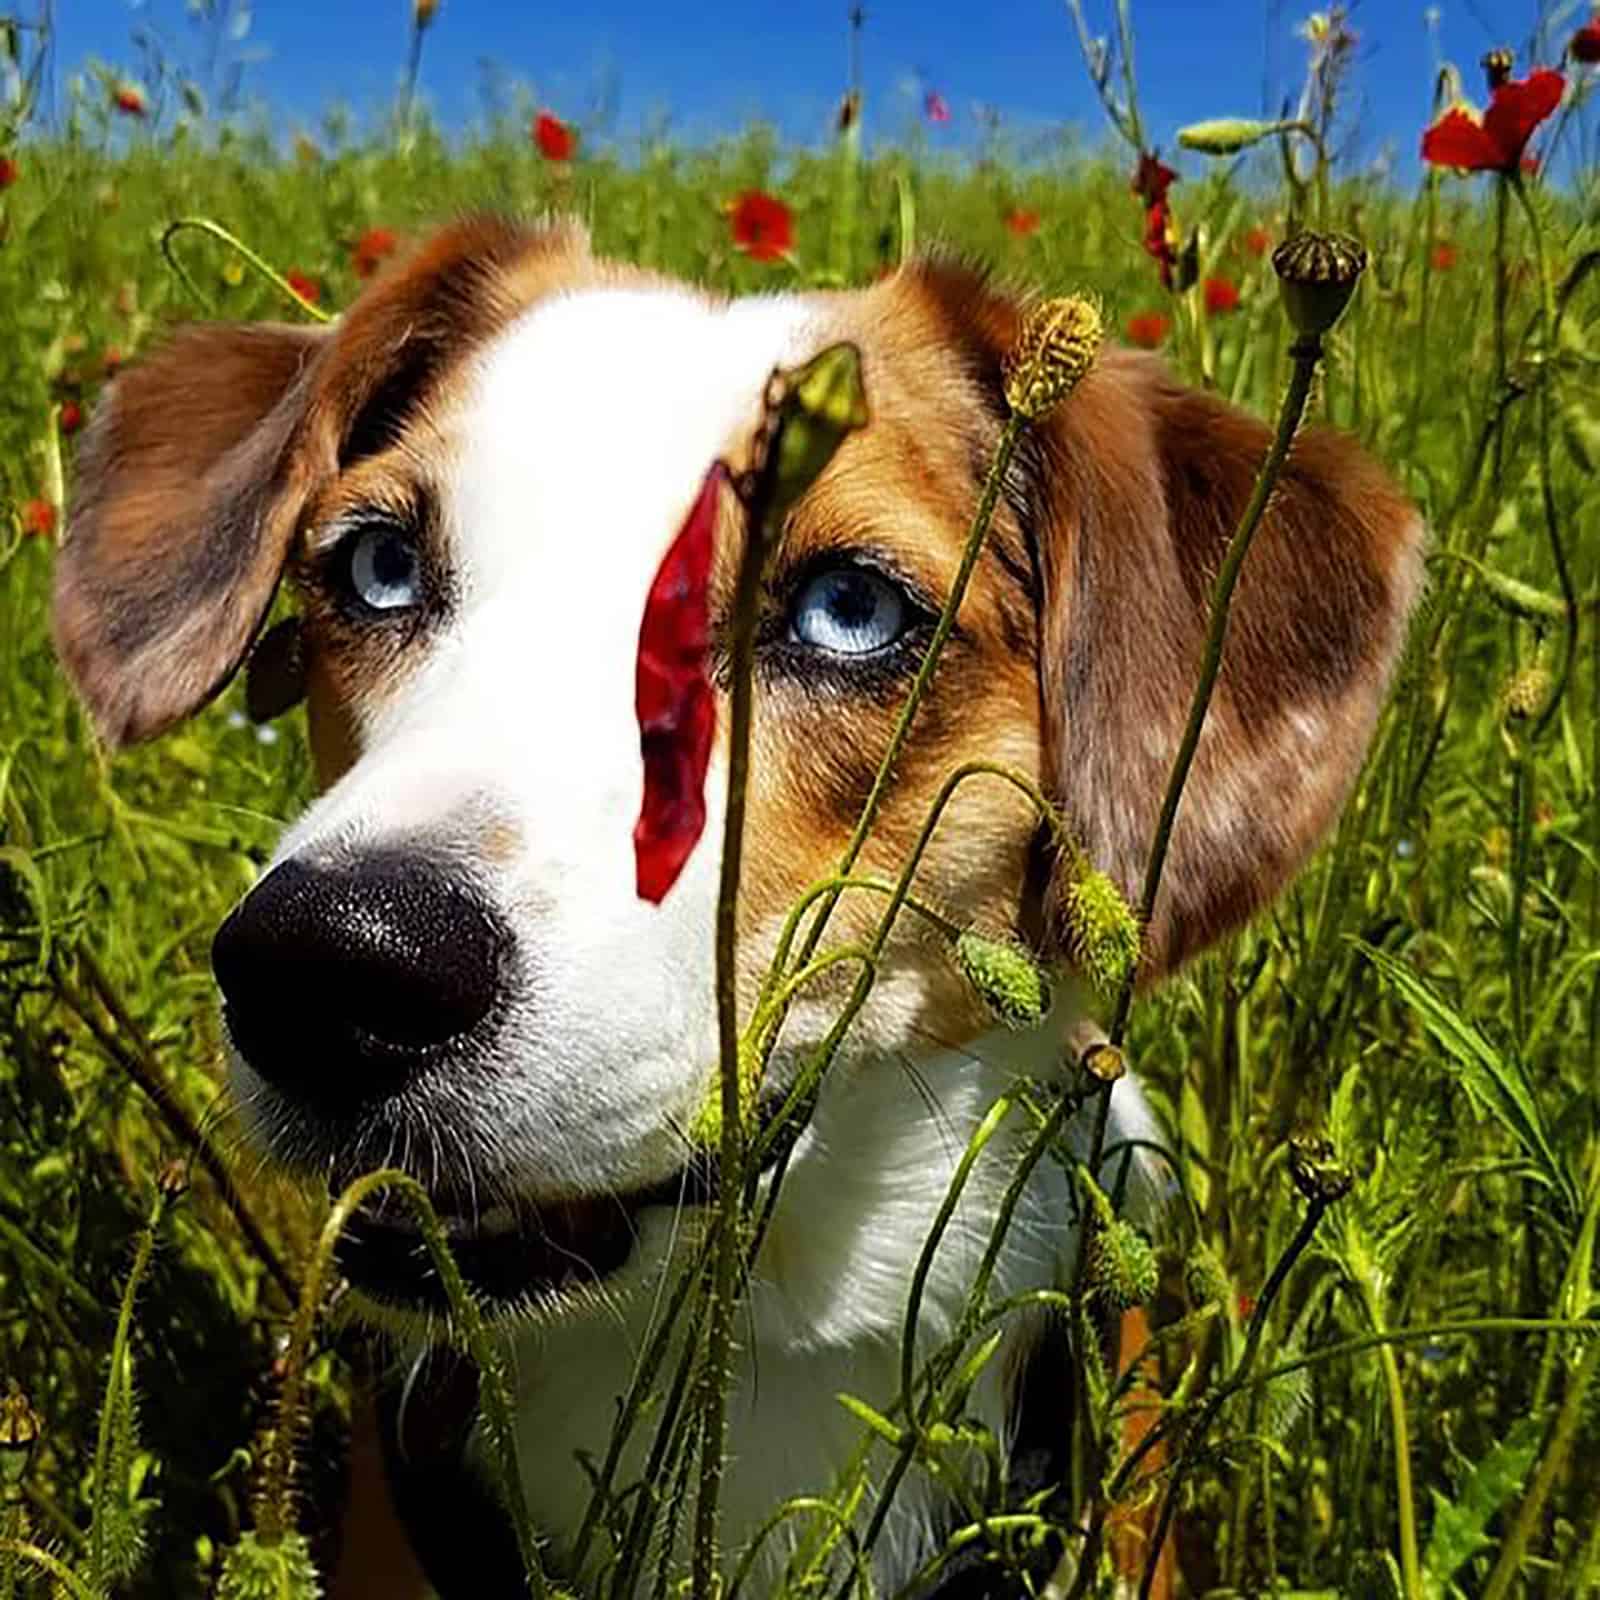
{"x": 9, "y": 172}
{"x": 1220, "y": 296}
{"x": 70, "y": 417}
{"x": 1444, "y": 256}
{"x": 1022, "y": 223}
{"x": 370, "y": 250}
{"x": 39, "y": 518}
{"x": 1152, "y": 178}
{"x": 307, "y": 288}
{"x": 555, "y": 139}
{"x": 673, "y": 699}
{"x": 1257, "y": 240}
{"x": 129, "y": 99}
{"x": 1148, "y": 328}
{"x": 935, "y": 107}
{"x": 763, "y": 227}
{"x": 1496, "y": 142}
{"x": 1584, "y": 45}
{"x": 1161, "y": 240}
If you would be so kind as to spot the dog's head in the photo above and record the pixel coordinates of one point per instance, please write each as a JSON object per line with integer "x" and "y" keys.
{"x": 469, "y": 481}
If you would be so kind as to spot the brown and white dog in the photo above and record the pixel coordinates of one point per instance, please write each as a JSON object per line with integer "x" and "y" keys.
{"x": 469, "y": 480}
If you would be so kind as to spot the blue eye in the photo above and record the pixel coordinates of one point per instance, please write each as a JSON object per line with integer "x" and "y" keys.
{"x": 383, "y": 569}
{"x": 849, "y": 611}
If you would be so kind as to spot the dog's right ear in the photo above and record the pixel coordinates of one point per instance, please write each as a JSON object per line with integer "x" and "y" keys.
{"x": 187, "y": 496}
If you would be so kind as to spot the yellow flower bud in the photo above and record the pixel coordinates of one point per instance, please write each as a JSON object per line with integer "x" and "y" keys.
{"x": 1058, "y": 344}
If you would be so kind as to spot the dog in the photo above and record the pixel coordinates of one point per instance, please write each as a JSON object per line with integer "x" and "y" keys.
{"x": 468, "y": 480}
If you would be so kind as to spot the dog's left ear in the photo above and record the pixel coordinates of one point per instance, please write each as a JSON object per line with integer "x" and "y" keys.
{"x": 186, "y": 498}
{"x": 1137, "y": 484}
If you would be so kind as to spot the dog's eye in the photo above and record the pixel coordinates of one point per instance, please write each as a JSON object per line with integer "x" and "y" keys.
{"x": 383, "y": 570}
{"x": 849, "y": 611}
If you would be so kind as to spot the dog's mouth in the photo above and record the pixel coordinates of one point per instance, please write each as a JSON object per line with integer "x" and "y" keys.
{"x": 508, "y": 1257}
{"x": 518, "y": 1257}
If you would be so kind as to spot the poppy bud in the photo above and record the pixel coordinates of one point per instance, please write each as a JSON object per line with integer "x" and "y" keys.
{"x": 1524, "y": 694}
{"x": 1317, "y": 1171}
{"x": 1058, "y": 344}
{"x": 1205, "y": 1279}
{"x": 823, "y": 402}
{"x": 1006, "y": 977}
{"x": 1123, "y": 1271}
{"x": 423, "y": 12}
{"x": 1102, "y": 932}
{"x": 1318, "y": 273}
{"x": 19, "y": 1432}
{"x": 1225, "y": 136}
{"x": 1497, "y": 65}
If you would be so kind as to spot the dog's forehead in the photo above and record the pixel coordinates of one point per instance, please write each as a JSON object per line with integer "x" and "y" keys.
{"x": 587, "y": 425}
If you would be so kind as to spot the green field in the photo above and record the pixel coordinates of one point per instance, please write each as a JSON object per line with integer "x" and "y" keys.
{"x": 1427, "y": 996}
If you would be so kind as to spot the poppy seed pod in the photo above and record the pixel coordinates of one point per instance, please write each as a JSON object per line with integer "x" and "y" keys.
{"x": 1318, "y": 273}
{"x": 1058, "y": 344}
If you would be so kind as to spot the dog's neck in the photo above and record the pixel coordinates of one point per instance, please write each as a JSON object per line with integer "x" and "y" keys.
{"x": 827, "y": 1304}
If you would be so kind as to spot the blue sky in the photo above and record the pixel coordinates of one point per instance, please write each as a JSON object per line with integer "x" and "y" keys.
{"x": 713, "y": 65}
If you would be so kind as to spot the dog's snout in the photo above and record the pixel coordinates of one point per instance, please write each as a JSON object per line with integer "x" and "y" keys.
{"x": 341, "y": 982}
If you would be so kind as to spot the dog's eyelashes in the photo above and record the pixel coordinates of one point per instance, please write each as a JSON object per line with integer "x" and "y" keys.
{"x": 850, "y": 610}
{"x": 382, "y": 568}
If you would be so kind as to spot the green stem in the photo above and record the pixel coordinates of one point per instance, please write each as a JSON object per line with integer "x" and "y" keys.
{"x": 1558, "y": 552}
{"x": 274, "y": 1498}
{"x": 115, "y": 1407}
{"x": 725, "y": 1281}
{"x": 1550, "y": 1468}
{"x": 1501, "y": 208}
{"x": 215, "y": 230}
{"x": 51, "y": 1566}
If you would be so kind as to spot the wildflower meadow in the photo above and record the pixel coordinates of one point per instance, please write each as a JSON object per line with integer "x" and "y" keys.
{"x": 1369, "y": 1314}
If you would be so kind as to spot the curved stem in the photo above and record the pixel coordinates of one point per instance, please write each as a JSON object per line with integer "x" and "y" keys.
{"x": 215, "y": 230}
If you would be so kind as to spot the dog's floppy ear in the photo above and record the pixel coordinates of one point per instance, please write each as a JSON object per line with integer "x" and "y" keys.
{"x": 186, "y": 498}
{"x": 1138, "y": 484}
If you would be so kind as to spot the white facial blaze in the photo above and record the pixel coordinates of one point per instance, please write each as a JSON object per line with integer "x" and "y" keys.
{"x": 585, "y": 433}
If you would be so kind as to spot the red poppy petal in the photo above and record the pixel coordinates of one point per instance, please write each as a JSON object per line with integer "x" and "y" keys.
{"x": 1457, "y": 140}
{"x": 1517, "y": 108}
{"x": 674, "y": 701}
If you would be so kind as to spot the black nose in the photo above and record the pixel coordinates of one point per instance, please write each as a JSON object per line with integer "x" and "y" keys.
{"x": 341, "y": 983}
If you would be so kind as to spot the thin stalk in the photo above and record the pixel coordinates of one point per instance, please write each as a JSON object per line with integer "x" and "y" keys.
{"x": 115, "y": 1407}
{"x": 976, "y": 535}
{"x": 1558, "y": 552}
{"x": 51, "y": 1566}
{"x": 138, "y": 1060}
{"x": 1550, "y": 1468}
{"x": 1501, "y": 208}
{"x": 729, "y": 1215}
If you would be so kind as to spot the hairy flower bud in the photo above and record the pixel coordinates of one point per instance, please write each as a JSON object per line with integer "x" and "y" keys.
{"x": 1318, "y": 273}
{"x": 1123, "y": 1270}
{"x": 1102, "y": 932}
{"x": 1205, "y": 1279}
{"x": 1006, "y": 977}
{"x": 1058, "y": 344}
{"x": 1524, "y": 694}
